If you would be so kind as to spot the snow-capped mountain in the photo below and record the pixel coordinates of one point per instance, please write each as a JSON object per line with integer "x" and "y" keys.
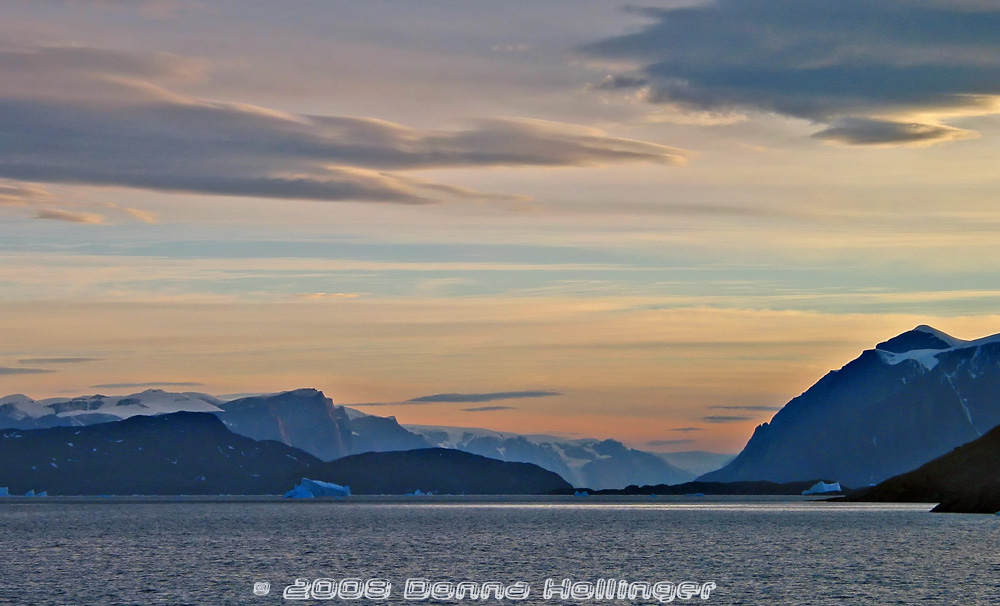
{"x": 18, "y": 411}
{"x": 585, "y": 462}
{"x": 909, "y": 400}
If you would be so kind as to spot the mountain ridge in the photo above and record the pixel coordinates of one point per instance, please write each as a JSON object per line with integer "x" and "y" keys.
{"x": 882, "y": 414}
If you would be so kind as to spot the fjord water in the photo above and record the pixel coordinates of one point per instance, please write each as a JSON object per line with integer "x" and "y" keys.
{"x": 777, "y": 551}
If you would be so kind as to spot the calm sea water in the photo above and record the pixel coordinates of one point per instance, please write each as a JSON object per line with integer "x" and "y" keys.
{"x": 756, "y": 551}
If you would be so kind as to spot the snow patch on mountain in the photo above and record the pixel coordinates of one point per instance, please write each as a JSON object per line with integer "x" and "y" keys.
{"x": 19, "y": 407}
{"x": 928, "y": 358}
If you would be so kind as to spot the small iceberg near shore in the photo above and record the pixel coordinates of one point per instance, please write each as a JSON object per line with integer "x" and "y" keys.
{"x": 823, "y": 488}
{"x": 308, "y": 489}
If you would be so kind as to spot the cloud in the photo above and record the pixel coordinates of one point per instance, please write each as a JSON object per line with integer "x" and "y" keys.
{"x": 57, "y": 214}
{"x": 58, "y": 360}
{"x": 511, "y": 48}
{"x": 18, "y": 194}
{"x": 482, "y": 397}
{"x": 110, "y": 118}
{"x": 488, "y": 408}
{"x": 619, "y": 82}
{"x": 687, "y": 429}
{"x": 724, "y": 419}
{"x": 667, "y": 442}
{"x": 149, "y": 384}
{"x": 865, "y": 68}
{"x": 13, "y": 193}
{"x": 6, "y": 370}
{"x": 329, "y": 295}
{"x": 756, "y": 408}
{"x": 869, "y": 131}
{"x": 136, "y": 213}
{"x": 466, "y": 398}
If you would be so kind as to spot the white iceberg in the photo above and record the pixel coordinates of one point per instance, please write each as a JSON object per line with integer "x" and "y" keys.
{"x": 308, "y": 489}
{"x": 823, "y": 487}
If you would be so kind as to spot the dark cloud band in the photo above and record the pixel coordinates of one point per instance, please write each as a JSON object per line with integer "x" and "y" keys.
{"x": 849, "y": 64}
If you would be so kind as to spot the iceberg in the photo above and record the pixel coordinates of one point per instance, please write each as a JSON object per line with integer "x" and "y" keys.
{"x": 308, "y": 489}
{"x": 822, "y": 488}
{"x": 4, "y": 491}
{"x": 298, "y": 493}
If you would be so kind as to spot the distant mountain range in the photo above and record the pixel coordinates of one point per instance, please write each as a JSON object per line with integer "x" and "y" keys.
{"x": 583, "y": 462}
{"x": 308, "y": 420}
{"x": 187, "y": 453}
{"x": 910, "y": 399}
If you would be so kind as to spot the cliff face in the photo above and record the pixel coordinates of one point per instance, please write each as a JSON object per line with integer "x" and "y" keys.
{"x": 303, "y": 418}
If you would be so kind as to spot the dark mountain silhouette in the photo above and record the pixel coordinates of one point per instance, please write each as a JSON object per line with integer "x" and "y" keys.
{"x": 195, "y": 454}
{"x": 966, "y": 480}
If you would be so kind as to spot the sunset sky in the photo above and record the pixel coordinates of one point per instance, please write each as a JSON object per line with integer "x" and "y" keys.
{"x": 656, "y": 222}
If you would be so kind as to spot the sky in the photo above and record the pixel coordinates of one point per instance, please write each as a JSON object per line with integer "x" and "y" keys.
{"x": 653, "y": 222}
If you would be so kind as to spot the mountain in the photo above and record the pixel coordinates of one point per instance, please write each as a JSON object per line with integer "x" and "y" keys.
{"x": 308, "y": 420}
{"x": 381, "y": 434}
{"x": 908, "y": 400}
{"x": 438, "y": 470}
{"x": 18, "y": 411}
{"x": 583, "y": 462}
{"x": 966, "y": 480}
{"x": 303, "y": 418}
{"x": 697, "y": 462}
{"x": 179, "y": 453}
{"x": 195, "y": 454}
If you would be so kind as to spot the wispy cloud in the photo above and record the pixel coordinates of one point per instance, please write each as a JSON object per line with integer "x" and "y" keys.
{"x": 668, "y": 442}
{"x": 756, "y": 408}
{"x": 466, "y": 398}
{"x": 6, "y": 370}
{"x": 148, "y": 384}
{"x": 104, "y": 117}
{"x": 58, "y": 360}
{"x": 57, "y": 214}
{"x": 687, "y": 429}
{"x": 17, "y": 194}
{"x": 724, "y": 419}
{"x": 329, "y": 295}
{"x": 483, "y": 397}
{"x": 488, "y": 408}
